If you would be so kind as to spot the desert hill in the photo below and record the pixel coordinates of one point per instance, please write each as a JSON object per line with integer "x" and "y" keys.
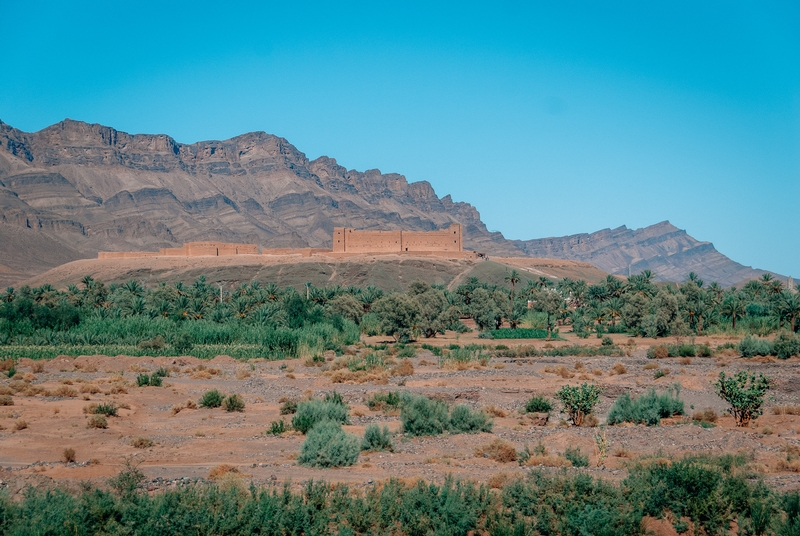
{"x": 383, "y": 271}
{"x": 73, "y": 189}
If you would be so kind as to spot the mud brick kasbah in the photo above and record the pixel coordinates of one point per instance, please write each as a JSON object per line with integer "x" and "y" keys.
{"x": 346, "y": 242}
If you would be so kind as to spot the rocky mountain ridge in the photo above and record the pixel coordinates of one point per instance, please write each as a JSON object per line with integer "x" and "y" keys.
{"x": 72, "y": 189}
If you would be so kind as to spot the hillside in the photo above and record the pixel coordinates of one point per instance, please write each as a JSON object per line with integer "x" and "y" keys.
{"x": 384, "y": 271}
{"x": 73, "y": 189}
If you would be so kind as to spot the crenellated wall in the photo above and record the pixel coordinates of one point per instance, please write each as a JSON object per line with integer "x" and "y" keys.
{"x": 191, "y": 249}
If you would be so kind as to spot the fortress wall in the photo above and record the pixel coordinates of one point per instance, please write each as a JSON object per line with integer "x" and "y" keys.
{"x": 339, "y": 239}
{"x": 372, "y": 241}
{"x": 125, "y": 254}
{"x": 444, "y": 240}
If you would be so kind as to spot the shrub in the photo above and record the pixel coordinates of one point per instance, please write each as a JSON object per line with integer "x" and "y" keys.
{"x": 277, "y": 427}
{"x": 607, "y": 341}
{"x": 752, "y": 346}
{"x": 619, "y": 368}
{"x": 786, "y": 345}
{"x": 289, "y": 407}
{"x": 407, "y": 351}
{"x": 183, "y": 342}
{"x": 142, "y": 443}
{"x": 222, "y": 470}
{"x": 464, "y": 419}
{"x": 576, "y": 457}
{"x": 68, "y": 455}
{"x": 538, "y": 404}
{"x": 142, "y": 380}
{"x": 422, "y": 416}
{"x": 161, "y": 372}
{"x": 382, "y": 401}
{"x": 109, "y": 409}
{"x": 6, "y": 400}
{"x": 327, "y": 445}
{"x": 156, "y": 343}
{"x": 155, "y": 380}
{"x": 311, "y": 412}
{"x": 745, "y": 394}
{"x": 660, "y": 373}
{"x": 211, "y": 399}
{"x": 578, "y": 401}
{"x": 648, "y": 409}
{"x": 97, "y": 421}
{"x": 658, "y": 352}
{"x": 128, "y": 479}
{"x": 233, "y": 403}
{"x": 498, "y": 450}
{"x": 377, "y": 439}
{"x": 405, "y": 368}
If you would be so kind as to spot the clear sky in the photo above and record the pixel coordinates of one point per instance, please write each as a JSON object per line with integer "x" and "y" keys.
{"x": 552, "y": 118}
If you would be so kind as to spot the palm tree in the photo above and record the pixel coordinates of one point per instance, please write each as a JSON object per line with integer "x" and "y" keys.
{"x": 512, "y": 278}
{"x": 733, "y": 307}
{"x": 614, "y": 308}
{"x": 717, "y": 291}
{"x": 791, "y": 307}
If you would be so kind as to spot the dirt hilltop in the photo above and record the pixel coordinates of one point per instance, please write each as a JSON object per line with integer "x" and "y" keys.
{"x": 384, "y": 271}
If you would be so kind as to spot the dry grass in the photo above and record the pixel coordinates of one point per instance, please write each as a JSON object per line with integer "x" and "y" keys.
{"x": 547, "y": 461}
{"x": 6, "y": 400}
{"x": 37, "y": 367}
{"x": 6, "y": 365}
{"x": 375, "y": 376}
{"x": 68, "y": 455}
{"x": 707, "y": 415}
{"x": 97, "y": 421}
{"x": 498, "y": 480}
{"x": 650, "y": 366}
{"x": 65, "y": 391}
{"x": 660, "y": 352}
{"x": 290, "y": 376}
{"x": 499, "y": 366}
{"x": 597, "y": 372}
{"x": 222, "y": 470}
{"x": 6, "y": 390}
{"x": 685, "y": 361}
{"x": 89, "y": 388}
{"x": 243, "y": 374}
{"x": 498, "y": 450}
{"x": 618, "y": 369}
{"x": 578, "y": 366}
{"x": 142, "y": 443}
{"x": 621, "y": 453}
{"x": 494, "y": 411}
{"x": 201, "y": 375}
{"x": 779, "y": 410}
{"x": 404, "y": 368}
{"x": 561, "y": 370}
{"x": 28, "y": 377}
{"x": 20, "y": 424}
{"x": 590, "y": 421}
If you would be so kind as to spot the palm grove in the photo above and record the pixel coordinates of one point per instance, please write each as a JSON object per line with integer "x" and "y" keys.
{"x": 263, "y": 320}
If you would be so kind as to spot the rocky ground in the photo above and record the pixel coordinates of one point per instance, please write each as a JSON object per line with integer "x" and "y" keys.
{"x": 188, "y": 443}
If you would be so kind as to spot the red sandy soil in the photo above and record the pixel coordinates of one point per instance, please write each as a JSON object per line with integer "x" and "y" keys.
{"x": 191, "y": 442}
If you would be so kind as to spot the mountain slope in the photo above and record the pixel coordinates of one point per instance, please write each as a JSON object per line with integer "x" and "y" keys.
{"x": 79, "y": 188}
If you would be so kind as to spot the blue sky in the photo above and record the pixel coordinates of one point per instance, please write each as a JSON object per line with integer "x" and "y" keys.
{"x": 552, "y": 118}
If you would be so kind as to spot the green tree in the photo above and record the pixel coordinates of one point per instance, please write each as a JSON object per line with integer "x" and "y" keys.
{"x": 513, "y": 279}
{"x": 733, "y": 307}
{"x": 397, "y": 315}
{"x": 578, "y": 401}
{"x": 745, "y": 394}
{"x": 551, "y": 303}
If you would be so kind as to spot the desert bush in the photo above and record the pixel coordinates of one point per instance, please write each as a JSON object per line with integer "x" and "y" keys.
{"x": 381, "y": 401}
{"x": 223, "y": 470}
{"x": 752, "y": 347}
{"x": 407, "y": 351}
{"x": 648, "y": 409}
{"x": 660, "y": 373}
{"x": 233, "y": 403}
{"x": 745, "y": 394}
{"x": 421, "y": 416}
{"x": 97, "y": 421}
{"x": 464, "y": 419}
{"x": 463, "y": 357}
{"x": 435, "y": 350}
{"x": 68, "y": 455}
{"x": 109, "y": 409}
{"x": 153, "y": 380}
{"x": 90, "y": 389}
{"x": 20, "y": 424}
{"x": 404, "y": 368}
{"x": 142, "y": 443}
{"x": 578, "y": 401}
{"x": 211, "y": 399}
{"x": 576, "y": 457}
{"x": 377, "y": 439}
{"x": 494, "y": 411}
{"x": 65, "y": 391}
{"x": 289, "y": 407}
{"x": 327, "y": 445}
{"x": 6, "y": 400}
{"x": 498, "y": 450}
{"x": 619, "y": 368}
{"x": 277, "y": 427}
{"x": 538, "y": 404}
{"x": 311, "y": 412}
{"x": 786, "y": 345}
{"x": 161, "y": 372}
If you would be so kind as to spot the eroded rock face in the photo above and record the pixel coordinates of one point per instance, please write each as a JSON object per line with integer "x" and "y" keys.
{"x": 87, "y": 187}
